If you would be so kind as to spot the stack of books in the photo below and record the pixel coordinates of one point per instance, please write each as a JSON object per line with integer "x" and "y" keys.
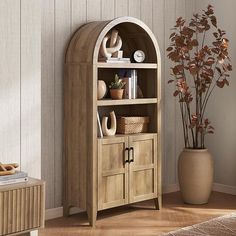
{"x": 18, "y": 177}
{"x": 115, "y": 60}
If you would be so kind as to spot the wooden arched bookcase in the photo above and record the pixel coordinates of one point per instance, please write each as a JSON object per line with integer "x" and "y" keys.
{"x": 96, "y": 175}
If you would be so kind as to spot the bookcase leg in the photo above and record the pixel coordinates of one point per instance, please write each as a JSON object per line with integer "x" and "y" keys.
{"x": 92, "y": 217}
{"x": 66, "y": 210}
{"x": 158, "y": 203}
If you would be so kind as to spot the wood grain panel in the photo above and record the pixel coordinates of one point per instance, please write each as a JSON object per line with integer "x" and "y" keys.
{"x": 159, "y": 25}
{"x": 93, "y": 10}
{"x": 169, "y": 116}
{"x": 135, "y": 8}
{"x": 112, "y": 172}
{"x": 48, "y": 100}
{"x": 143, "y": 179}
{"x": 179, "y": 142}
{"x": 31, "y": 87}
{"x": 144, "y": 182}
{"x": 10, "y": 81}
{"x": 190, "y": 6}
{"x": 146, "y": 12}
{"x": 62, "y": 32}
{"x": 107, "y": 9}
{"x": 143, "y": 149}
{"x": 121, "y": 7}
{"x": 112, "y": 156}
{"x": 78, "y": 14}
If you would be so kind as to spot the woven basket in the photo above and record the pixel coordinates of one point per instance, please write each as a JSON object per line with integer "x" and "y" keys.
{"x": 132, "y": 125}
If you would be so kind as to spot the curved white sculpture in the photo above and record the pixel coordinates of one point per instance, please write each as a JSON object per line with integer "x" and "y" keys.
{"x": 115, "y": 44}
{"x": 112, "y": 130}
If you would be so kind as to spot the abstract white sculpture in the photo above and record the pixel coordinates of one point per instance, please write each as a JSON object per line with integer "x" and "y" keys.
{"x": 112, "y": 130}
{"x": 115, "y": 44}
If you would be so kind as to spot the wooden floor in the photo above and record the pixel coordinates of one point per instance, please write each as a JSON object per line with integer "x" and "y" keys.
{"x": 142, "y": 219}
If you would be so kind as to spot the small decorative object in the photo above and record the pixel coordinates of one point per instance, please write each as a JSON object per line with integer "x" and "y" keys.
{"x": 116, "y": 88}
{"x": 8, "y": 169}
{"x": 112, "y": 130}
{"x": 115, "y": 45}
{"x": 139, "y": 92}
{"x": 139, "y": 56}
{"x": 101, "y": 89}
{"x": 204, "y": 67}
{"x": 100, "y": 134}
{"x": 132, "y": 124}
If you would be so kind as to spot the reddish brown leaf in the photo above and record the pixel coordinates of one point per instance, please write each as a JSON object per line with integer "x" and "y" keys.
{"x": 215, "y": 50}
{"x": 170, "y": 81}
{"x": 219, "y": 70}
{"x": 194, "y": 43}
{"x": 172, "y": 35}
{"x": 216, "y": 34}
{"x": 176, "y": 93}
{"x": 220, "y": 84}
{"x": 213, "y": 21}
{"x": 226, "y": 82}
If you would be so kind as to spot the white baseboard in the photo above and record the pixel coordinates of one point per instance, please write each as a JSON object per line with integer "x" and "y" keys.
{"x": 53, "y": 213}
{"x": 170, "y": 188}
{"x": 216, "y": 187}
{"x": 58, "y": 212}
{"x": 224, "y": 188}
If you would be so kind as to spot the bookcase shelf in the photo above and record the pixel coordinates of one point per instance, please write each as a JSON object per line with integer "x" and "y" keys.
{"x": 125, "y": 135}
{"x": 127, "y": 65}
{"x": 110, "y": 102}
{"x": 101, "y": 173}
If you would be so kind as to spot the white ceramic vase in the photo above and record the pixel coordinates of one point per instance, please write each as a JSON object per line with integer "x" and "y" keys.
{"x": 195, "y": 172}
{"x": 101, "y": 89}
{"x": 112, "y": 131}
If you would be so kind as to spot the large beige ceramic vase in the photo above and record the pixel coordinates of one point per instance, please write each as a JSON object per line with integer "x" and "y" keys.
{"x": 195, "y": 171}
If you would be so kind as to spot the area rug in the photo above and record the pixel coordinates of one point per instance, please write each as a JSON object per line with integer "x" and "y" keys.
{"x": 221, "y": 226}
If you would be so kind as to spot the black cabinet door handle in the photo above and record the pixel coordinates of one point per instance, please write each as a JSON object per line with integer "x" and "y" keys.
{"x": 126, "y": 150}
{"x": 132, "y": 150}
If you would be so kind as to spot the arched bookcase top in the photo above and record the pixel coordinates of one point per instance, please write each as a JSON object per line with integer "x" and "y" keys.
{"x": 85, "y": 43}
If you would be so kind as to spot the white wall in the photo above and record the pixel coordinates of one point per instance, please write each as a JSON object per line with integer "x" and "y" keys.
{"x": 222, "y": 109}
{"x": 20, "y": 84}
{"x": 60, "y": 18}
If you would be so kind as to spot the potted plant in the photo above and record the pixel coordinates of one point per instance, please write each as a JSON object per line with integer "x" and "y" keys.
{"x": 116, "y": 88}
{"x": 199, "y": 67}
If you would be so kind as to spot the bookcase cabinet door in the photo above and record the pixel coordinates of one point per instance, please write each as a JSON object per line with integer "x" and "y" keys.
{"x": 112, "y": 172}
{"x": 143, "y": 168}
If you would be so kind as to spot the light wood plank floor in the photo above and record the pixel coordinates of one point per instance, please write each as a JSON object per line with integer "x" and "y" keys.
{"x": 142, "y": 219}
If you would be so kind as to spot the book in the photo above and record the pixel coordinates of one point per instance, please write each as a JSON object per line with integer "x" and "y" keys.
{"x": 134, "y": 84}
{"x": 131, "y": 86}
{"x": 14, "y": 181}
{"x": 115, "y": 60}
{"x": 100, "y": 134}
{"x": 18, "y": 174}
